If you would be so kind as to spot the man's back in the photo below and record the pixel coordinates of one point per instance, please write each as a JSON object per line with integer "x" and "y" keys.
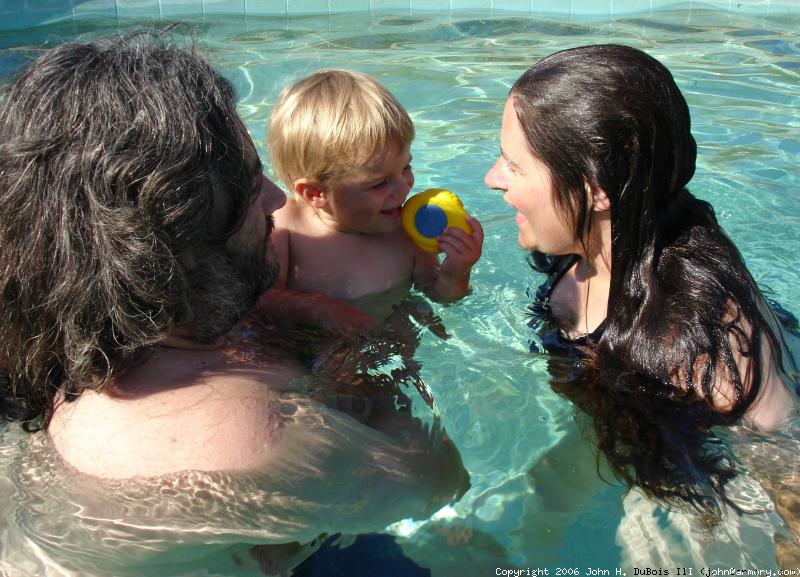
{"x": 233, "y": 409}
{"x": 180, "y": 410}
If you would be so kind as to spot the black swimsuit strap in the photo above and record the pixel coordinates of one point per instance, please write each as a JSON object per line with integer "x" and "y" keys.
{"x": 556, "y": 267}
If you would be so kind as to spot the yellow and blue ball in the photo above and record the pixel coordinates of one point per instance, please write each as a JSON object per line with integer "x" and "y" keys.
{"x": 426, "y": 215}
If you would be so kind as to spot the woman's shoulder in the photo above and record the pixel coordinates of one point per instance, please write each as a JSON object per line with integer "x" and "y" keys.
{"x": 554, "y": 267}
{"x": 542, "y": 319}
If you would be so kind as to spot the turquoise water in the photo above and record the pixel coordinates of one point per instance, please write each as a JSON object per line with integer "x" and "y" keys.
{"x": 536, "y": 500}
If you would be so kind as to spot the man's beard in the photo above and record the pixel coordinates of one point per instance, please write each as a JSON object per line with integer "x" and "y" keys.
{"x": 223, "y": 288}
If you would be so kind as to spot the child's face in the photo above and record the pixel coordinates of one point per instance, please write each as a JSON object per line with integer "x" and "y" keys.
{"x": 368, "y": 198}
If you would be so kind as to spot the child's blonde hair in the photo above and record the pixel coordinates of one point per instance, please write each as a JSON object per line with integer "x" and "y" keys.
{"x": 332, "y": 121}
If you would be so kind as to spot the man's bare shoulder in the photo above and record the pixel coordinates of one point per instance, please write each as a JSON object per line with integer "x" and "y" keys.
{"x": 180, "y": 410}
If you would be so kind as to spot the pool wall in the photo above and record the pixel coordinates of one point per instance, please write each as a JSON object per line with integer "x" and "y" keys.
{"x": 19, "y": 14}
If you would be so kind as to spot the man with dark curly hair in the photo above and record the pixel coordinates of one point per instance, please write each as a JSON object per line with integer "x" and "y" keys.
{"x": 134, "y": 226}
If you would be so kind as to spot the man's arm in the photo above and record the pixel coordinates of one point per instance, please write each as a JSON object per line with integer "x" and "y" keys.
{"x": 289, "y": 306}
{"x": 340, "y": 476}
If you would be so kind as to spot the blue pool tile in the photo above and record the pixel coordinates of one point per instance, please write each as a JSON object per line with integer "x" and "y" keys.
{"x": 11, "y": 20}
{"x": 266, "y": 7}
{"x": 687, "y": 4}
{"x": 171, "y": 8}
{"x": 752, "y": 7}
{"x": 11, "y": 6}
{"x": 36, "y": 5}
{"x": 520, "y": 6}
{"x": 623, "y": 7}
{"x": 224, "y": 6}
{"x": 15, "y": 14}
{"x": 431, "y": 5}
{"x": 390, "y": 5}
{"x": 37, "y": 17}
{"x": 15, "y": 38}
{"x": 61, "y": 5}
{"x": 546, "y": 7}
{"x": 782, "y": 10}
{"x": 350, "y": 5}
{"x": 137, "y": 9}
{"x": 473, "y": 5}
{"x": 308, "y": 7}
{"x": 94, "y": 9}
{"x": 592, "y": 7}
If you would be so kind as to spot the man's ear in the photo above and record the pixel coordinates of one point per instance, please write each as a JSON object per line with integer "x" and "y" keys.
{"x": 311, "y": 191}
{"x": 600, "y": 202}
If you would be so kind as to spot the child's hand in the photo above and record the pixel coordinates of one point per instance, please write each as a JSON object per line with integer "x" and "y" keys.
{"x": 461, "y": 250}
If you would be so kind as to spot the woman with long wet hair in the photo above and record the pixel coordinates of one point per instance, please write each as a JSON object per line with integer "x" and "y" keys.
{"x": 658, "y": 329}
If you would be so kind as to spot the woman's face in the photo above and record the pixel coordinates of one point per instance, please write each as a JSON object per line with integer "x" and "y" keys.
{"x": 528, "y": 187}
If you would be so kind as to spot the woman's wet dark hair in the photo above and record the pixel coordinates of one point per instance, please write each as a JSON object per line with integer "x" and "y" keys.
{"x": 680, "y": 299}
{"x": 115, "y": 156}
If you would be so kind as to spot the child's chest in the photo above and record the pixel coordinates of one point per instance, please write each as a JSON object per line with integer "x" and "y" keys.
{"x": 349, "y": 266}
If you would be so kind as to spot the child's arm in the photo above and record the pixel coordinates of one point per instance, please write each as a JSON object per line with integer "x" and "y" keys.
{"x": 287, "y": 306}
{"x": 449, "y": 280}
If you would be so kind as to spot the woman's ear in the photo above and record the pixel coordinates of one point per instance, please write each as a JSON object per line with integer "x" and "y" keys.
{"x": 311, "y": 191}
{"x": 600, "y": 202}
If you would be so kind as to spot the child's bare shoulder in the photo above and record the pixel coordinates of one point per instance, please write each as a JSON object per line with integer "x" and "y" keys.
{"x": 290, "y": 216}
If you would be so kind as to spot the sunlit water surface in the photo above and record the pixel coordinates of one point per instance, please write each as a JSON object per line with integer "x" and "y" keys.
{"x": 536, "y": 499}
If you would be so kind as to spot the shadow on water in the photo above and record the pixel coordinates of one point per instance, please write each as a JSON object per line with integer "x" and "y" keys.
{"x": 371, "y": 555}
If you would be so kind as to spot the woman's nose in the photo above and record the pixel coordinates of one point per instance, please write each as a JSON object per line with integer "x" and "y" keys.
{"x": 493, "y": 178}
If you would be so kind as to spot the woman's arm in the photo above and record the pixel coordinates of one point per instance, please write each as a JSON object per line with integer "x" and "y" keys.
{"x": 774, "y": 403}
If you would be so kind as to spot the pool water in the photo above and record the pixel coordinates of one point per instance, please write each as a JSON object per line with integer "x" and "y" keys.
{"x": 537, "y": 498}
